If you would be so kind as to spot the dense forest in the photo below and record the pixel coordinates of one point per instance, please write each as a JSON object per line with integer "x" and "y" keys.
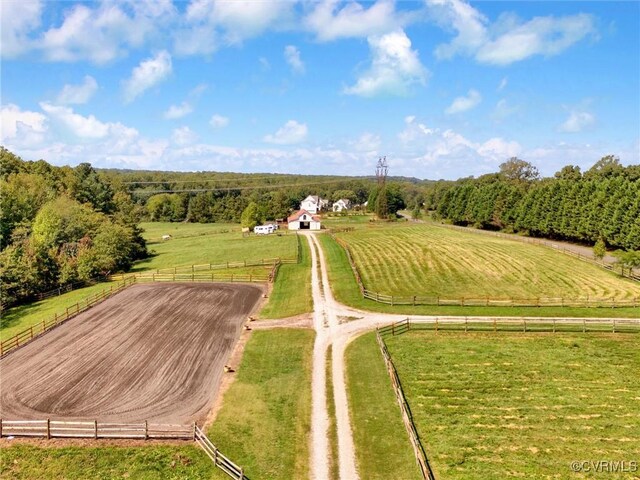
{"x": 602, "y": 203}
{"x": 61, "y": 225}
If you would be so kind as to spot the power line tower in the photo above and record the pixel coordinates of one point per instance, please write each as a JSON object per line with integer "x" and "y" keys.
{"x": 382, "y": 209}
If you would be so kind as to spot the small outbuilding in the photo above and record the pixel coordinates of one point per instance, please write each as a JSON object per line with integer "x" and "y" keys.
{"x": 303, "y": 220}
{"x": 342, "y": 204}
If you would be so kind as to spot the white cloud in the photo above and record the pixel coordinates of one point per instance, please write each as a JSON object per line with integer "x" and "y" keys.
{"x": 218, "y": 121}
{"x": 85, "y": 127}
{"x": 150, "y": 72}
{"x": 330, "y": 22}
{"x": 468, "y": 22}
{"x": 395, "y": 67}
{"x": 183, "y": 136}
{"x": 414, "y": 131}
{"x": 292, "y": 56}
{"x": 508, "y": 40}
{"x": 78, "y": 94}
{"x": 503, "y": 84}
{"x": 21, "y": 128}
{"x": 17, "y": 20}
{"x": 499, "y": 149}
{"x": 208, "y": 24}
{"x": 367, "y": 142}
{"x": 577, "y": 121}
{"x": 503, "y": 110}
{"x": 178, "y": 111}
{"x": 290, "y": 133}
{"x": 106, "y": 32}
{"x": 462, "y": 104}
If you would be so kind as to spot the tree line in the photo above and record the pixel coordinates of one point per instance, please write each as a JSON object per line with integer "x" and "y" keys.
{"x": 60, "y": 226}
{"x": 599, "y": 205}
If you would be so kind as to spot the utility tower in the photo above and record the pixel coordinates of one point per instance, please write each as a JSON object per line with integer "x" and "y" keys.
{"x": 382, "y": 210}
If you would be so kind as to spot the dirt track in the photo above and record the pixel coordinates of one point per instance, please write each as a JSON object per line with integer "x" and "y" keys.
{"x": 153, "y": 352}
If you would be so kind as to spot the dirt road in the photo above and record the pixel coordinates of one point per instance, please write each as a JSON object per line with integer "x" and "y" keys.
{"x": 152, "y": 352}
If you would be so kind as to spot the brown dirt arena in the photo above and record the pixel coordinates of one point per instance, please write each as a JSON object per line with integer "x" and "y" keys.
{"x": 153, "y": 352}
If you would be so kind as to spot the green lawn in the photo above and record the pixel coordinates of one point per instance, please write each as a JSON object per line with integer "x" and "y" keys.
{"x": 195, "y": 243}
{"x": 21, "y": 317}
{"x": 291, "y": 293}
{"x": 264, "y": 424}
{"x": 513, "y": 405}
{"x": 424, "y": 259}
{"x": 383, "y": 449}
{"x": 153, "y": 462}
{"x": 345, "y": 289}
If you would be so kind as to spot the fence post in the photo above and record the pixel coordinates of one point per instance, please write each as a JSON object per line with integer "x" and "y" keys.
{"x": 31, "y": 330}
{"x": 241, "y": 474}
{"x": 0, "y": 428}
{"x": 194, "y": 430}
{"x": 614, "y": 325}
{"x": 48, "y": 428}
{"x": 554, "y": 325}
{"x": 584, "y": 325}
{"x": 414, "y": 300}
{"x": 436, "y": 324}
{"x": 146, "y": 430}
{"x": 95, "y": 429}
{"x": 495, "y": 327}
{"x": 465, "y": 324}
{"x": 392, "y": 300}
{"x": 215, "y": 456}
{"x": 524, "y": 321}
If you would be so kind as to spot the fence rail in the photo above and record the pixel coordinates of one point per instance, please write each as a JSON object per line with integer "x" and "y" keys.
{"x": 220, "y": 266}
{"x": 221, "y": 461}
{"x": 407, "y": 417}
{"x": 27, "y": 335}
{"x": 94, "y": 429}
{"x": 514, "y": 324}
{"x": 585, "y": 302}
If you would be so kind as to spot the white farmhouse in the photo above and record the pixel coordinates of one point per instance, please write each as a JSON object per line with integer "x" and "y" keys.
{"x": 342, "y": 204}
{"x": 303, "y": 220}
{"x": 313, "y": 204}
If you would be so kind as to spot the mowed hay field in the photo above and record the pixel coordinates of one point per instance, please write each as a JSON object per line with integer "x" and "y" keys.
{"x": 521, "y": 405}
{"x": 430, "y": 260}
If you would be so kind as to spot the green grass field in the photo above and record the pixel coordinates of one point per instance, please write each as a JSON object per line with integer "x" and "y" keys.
{"x": 508, "y": 405}
{"x": 264, "y": 423}
{"x": 345, "y": 289}
{"x": 429, "y": 260}
{"x": 152, "y": 462}
{"x": 195, "y": 243}
{"x": 382, "y": 445}
{"x": 291, "y": 293}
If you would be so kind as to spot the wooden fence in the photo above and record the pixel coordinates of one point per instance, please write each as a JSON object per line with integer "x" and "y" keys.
{"x": 631, "y": 274}
{"x": 585, "y": 302}
{"x": 407, "y": 418}
{"x": 94, "y": 429}
{"x": 38, "y": 329}
{"x": 514, "y": 324}
{"x": 116, "y": 430}
{"x": 219, "y": 460}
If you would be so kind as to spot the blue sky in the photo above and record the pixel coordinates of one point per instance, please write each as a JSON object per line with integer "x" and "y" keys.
{"x": 443, "y": 88}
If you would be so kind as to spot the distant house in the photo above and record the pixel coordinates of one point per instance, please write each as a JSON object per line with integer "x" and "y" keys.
{"x": 314, "y": 204}
{"x": 342, "y": 204}
{"x": 303, "y": 220}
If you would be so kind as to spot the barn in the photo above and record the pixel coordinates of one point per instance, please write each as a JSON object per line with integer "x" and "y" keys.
{"x": 303, "y": 220}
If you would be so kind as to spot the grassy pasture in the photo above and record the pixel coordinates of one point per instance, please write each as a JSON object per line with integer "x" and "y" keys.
{"x": 521, "y": 405}
{"x": 345, "y": 289}
{"x": 383, "y": 449}
{"x": 291, "y": 293}
{"x": 195, "y": 243}
{"x": 151, "y": 462}
{"x": 428, "y": 260}
{"x": 264, "y": 424}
